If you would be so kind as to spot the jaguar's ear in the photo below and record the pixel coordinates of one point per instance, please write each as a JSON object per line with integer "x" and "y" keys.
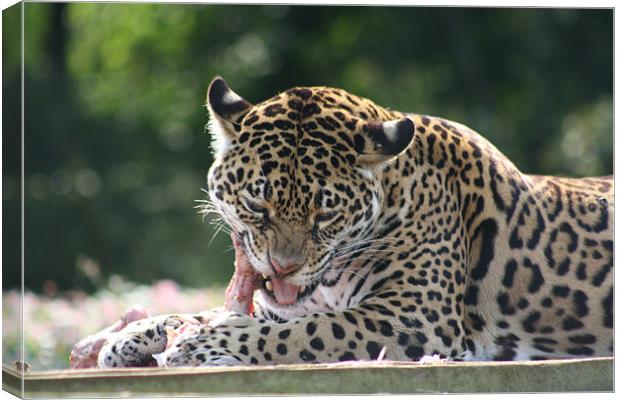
{"x": 226, "y": 109}
{"x": 379, "y": 142}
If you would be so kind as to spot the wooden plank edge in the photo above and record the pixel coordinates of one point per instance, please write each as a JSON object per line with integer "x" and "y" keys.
{"x": 593, "y": 374}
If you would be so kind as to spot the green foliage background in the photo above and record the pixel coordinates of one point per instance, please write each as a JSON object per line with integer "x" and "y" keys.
{"x": 115, "y": 153}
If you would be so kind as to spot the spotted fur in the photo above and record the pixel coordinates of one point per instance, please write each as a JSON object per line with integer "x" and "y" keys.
{"x": 409, "y": 232}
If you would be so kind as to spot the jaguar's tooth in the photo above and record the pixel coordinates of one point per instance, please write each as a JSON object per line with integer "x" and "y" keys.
{"x": 269, "y": 286}
{"x": 265, "y": 277}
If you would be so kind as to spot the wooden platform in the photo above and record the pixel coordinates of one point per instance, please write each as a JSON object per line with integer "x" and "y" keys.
{"x": 591, "y": 375}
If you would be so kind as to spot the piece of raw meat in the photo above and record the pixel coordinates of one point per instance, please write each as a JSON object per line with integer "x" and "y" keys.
{"x": 241, "y": 288}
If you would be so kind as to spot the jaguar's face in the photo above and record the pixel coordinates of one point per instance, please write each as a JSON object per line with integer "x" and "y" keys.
{"x": 293, "y": 220}
{"x": 297, "y": 178}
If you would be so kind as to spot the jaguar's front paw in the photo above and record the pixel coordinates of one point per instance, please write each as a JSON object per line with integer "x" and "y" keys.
{"x": 135, "y": 345}
{"x": 211, "y": 345}
{"x": 85, "y": 353}
{"x": 199, "y": 350}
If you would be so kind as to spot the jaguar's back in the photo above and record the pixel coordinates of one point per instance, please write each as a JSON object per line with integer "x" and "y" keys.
{"x": 540, "y": 282}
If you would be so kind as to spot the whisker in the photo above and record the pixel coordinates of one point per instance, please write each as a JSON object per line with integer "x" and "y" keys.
{"x": 362, "y": 257}
{"x": 369, "y": 247}
{"x": 362, "y": 243}
{"x": 355, "y": 273}
{"x": 362, "y": 251}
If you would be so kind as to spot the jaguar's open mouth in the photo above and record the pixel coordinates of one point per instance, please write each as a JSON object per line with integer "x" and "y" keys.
{"x": 284, "y": 293}
{"x": 246, "y": 280}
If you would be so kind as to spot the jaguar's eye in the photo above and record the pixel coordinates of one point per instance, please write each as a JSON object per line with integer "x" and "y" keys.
{"x": 321, "y": 218}
{"x": 255, "y": 208}
{"x": 324, "y": 216}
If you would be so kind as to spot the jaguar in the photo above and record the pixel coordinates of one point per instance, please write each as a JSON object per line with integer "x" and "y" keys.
{"x": 370, "y": 233}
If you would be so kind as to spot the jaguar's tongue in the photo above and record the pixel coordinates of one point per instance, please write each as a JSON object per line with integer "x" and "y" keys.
{"x": 285, "y": 293}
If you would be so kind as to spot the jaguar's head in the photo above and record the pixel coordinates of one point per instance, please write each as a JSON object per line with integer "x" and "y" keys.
{"x": 298, "y": 178}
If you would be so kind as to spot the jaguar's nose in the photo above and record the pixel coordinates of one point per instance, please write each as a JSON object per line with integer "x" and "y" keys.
{"x": 283, "y": 267}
